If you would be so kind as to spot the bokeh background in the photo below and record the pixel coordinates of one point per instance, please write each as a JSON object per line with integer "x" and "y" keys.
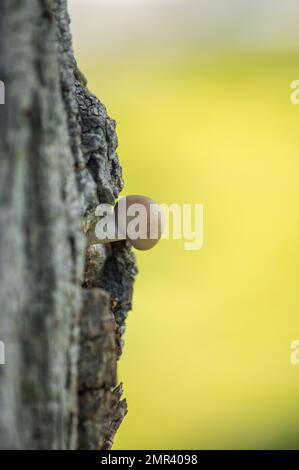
{"x": 200, "y": 90}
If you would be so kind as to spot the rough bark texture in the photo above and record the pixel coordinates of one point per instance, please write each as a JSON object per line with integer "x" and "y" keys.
{"x": 62, "y": 305}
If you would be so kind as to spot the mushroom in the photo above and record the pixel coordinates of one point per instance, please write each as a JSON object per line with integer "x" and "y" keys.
{"x": 135, "y": 218}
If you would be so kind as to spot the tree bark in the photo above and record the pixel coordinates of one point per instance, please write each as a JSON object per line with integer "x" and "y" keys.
{"x": 62, "y": 305}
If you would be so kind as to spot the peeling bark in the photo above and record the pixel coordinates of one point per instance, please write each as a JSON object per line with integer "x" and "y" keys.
{"x": 62, "y": 306}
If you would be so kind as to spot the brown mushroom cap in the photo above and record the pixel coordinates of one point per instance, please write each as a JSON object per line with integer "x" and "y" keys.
{"x": 133, "y": 211}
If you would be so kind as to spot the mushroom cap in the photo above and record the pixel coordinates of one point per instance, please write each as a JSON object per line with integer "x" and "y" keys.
{"x": 140, "y": 219}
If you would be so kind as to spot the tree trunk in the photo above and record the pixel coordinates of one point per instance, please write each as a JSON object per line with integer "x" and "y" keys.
{"x": 62, "y": 304}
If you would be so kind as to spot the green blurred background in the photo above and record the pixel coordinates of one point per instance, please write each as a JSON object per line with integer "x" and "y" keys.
{"x": 201, "y": 95}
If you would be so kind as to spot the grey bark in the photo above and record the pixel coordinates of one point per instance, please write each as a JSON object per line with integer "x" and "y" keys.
{"x": 62, "y": 305}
